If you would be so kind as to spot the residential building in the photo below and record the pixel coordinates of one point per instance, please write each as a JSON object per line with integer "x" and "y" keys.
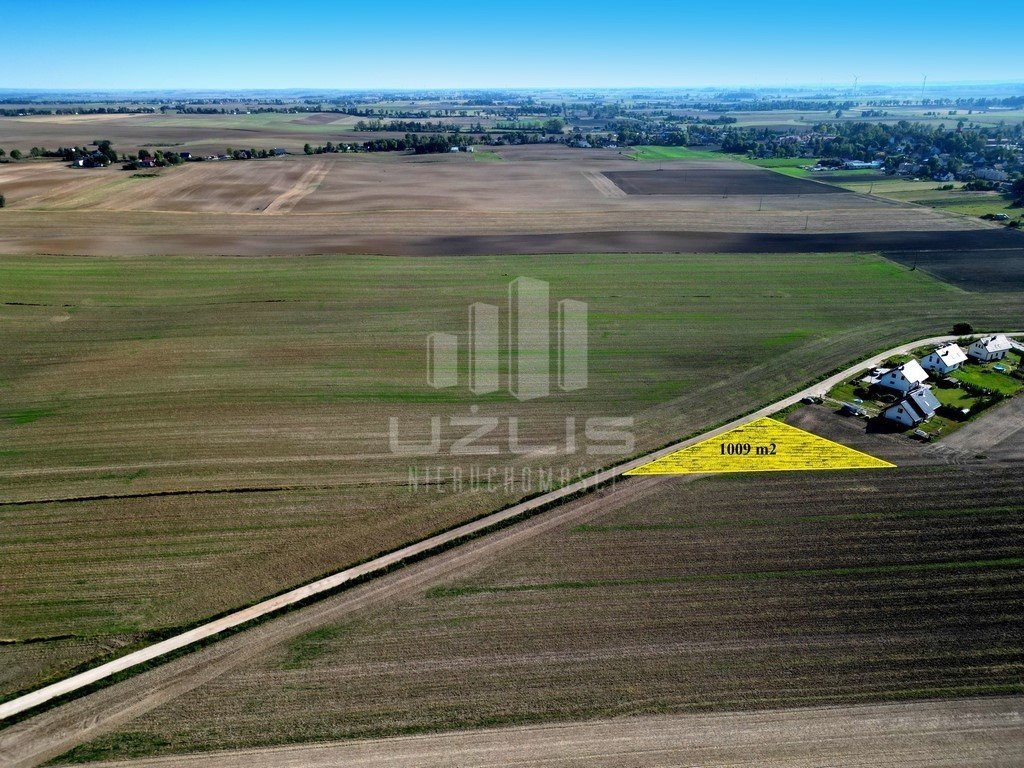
{"x": 990, "y": 174}
{"x": 904, "y": 378}
{"x": 989, "y": 348}
{"x": 944, "y": 359}
{"x": 918, "y": 406}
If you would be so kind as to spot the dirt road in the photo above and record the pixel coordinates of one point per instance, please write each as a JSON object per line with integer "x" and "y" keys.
{"x": 935, "y": 733}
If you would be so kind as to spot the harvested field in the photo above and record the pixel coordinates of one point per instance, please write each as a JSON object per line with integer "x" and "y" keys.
{"x": 410, "y": 205}
{"x": 305, "y": 186}
{"x": 421, "y": 234}
{"x": 226, "y": 187}
{"x": 664, "y": 597}
{"x": 995, "y": 269}
{"x": 203, "y": 134}
{"x": 258, "y": 392}
{"x": 716, "y": 181}
{"x": 935, "y": 733}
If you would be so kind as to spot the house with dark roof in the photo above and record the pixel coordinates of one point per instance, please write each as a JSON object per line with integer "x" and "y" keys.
{"x": 919, "y": 405}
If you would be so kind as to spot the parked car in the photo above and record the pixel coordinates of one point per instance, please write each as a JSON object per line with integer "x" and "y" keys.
{"x": 849, "y": 409}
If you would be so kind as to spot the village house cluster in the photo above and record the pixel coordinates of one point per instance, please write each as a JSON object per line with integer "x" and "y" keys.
{"x": 915, "y": 401}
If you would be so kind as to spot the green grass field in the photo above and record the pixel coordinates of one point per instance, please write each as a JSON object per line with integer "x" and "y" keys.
{"x": 677, "y": 153}
{"x": 260, "y": 392}
{"x": 954, "y": 397}
{"x": 925, "y": 193}
{"x": 987, "y": 377}
{"x": 929, "y": 193}
{"x": 789, "y": 166}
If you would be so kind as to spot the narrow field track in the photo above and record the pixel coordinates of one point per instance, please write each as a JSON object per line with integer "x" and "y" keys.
{"x": 986, "y": 731}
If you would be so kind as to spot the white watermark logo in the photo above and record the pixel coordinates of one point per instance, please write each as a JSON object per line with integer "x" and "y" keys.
{"x": 546, "y": 349}
{"x": 528, "y": 349}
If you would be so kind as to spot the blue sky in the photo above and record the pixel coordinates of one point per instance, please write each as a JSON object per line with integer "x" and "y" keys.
{"x": 228, "y": 44}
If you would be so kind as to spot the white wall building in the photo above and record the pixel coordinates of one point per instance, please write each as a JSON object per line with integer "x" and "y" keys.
{"x": 904, "y": 378}
{"x": 920, "y": 405}
{"x": 989, "y": 348}
{"x": 944, "y": 359}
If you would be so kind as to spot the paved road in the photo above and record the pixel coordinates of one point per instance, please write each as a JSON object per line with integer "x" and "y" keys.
{"x": 380, "y": 564}
{"x": 986, "y": 731}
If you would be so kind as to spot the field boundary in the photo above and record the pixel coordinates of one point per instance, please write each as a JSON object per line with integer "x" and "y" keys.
{"x": 906, "y": 731}
{"x": 417, "y": 550}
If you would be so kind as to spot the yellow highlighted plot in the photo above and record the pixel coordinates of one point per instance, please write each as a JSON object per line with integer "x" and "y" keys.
{"x": 765, "y": 445}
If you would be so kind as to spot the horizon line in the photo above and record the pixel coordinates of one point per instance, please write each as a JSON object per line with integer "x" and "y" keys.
{"x": 358, "y": 89}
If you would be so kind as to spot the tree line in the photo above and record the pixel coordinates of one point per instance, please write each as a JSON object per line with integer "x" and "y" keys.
{"x": 420, "y": 145}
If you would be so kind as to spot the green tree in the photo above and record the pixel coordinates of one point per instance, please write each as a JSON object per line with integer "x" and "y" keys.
{"x": 1018, "y": 189}
{"x": 105, "y": 148}
{"x": 554, "y": 125}
{"x": 15, "y": 154}
{"x": 3, "y": 200}
{"x": 308, "y": 149}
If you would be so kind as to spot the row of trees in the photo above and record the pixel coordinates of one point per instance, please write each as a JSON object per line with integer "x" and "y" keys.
{"x": 328, "y": 148}
{"x": 104, "y": 152}
{"x": 160, "y": 159}
{"x": 410, "y": 126}
{"x": 22, "y": 112}
{"x": 421, "y": 145}
{"x": 251, "y": 154}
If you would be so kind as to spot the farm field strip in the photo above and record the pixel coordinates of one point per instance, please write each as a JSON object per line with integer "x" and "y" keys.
{"x": 942, "y": 734}
{"x": 433, "y": 234}
{"x": 549, "y": 621}
{"x": 380, "y": 564}
{"x": 724, "y": 182}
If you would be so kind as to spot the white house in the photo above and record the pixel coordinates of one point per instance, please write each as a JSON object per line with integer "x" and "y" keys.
{"x": 989, "y": 348}
{"x": 904, "y": 378}
{"x": 920, "y": 405}
{"x": 944, "y": 359}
